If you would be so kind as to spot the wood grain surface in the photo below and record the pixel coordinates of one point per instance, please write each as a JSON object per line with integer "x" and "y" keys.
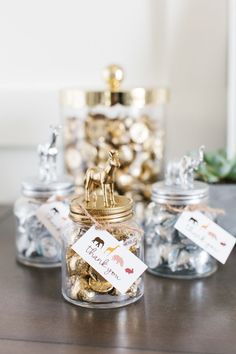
{"x": 175, "y": 316}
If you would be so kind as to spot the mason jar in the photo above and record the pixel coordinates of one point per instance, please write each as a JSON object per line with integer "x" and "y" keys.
{"x": 168, "y": 252}
{"x": 82, "y": 285}
{"x": 35, "y": 245}
{"x": 129, "y": 121}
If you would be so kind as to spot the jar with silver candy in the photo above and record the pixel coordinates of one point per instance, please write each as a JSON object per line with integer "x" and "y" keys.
{"x": 130, "y": 121}
{"x": 35, "y": 245}
{"x": 168, "y": 252}
{"x": 82, "y": 285}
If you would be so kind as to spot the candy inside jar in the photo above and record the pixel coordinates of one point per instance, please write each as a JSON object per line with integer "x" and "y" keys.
{"x": 81, "y": 284}
{"x": 129, "y": 121}
{"x": 168, "y": 252}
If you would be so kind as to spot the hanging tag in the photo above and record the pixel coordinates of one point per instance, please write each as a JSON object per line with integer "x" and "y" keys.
{"x": 109, "y": 258}
{"x": 206, "y": 234}
{"x": 54, "y": 216}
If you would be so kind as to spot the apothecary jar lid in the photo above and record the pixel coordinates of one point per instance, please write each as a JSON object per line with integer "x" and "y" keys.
{"x": 113, "y": 94}
{"x": 176, "y": 195}
{"x": 122, "y": 211}
{"x": 34, "y": 188}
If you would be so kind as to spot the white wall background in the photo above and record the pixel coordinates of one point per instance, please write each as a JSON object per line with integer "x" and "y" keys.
{"x": 46, "y": 45}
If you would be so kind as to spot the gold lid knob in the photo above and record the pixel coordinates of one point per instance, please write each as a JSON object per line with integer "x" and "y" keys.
{"x": 113, "y": 75}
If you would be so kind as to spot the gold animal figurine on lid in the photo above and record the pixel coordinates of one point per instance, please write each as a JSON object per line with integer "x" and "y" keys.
{"x": 104, "y": 178}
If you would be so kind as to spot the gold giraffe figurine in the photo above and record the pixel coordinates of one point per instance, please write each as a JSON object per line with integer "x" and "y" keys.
{"x": 103, "y": 178}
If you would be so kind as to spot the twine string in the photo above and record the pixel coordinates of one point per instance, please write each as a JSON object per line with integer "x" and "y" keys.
{"x": 56, "y": 198}
{"x": 108, "y": 226}
{"x": 198, "y": 207}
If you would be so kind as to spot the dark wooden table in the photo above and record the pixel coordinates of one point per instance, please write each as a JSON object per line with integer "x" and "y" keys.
{"x": 174, "y": 316}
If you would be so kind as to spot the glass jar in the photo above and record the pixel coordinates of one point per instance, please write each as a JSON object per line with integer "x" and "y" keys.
{"x": 81, "y": 284}
{"x": 168, "y": 252}
{"x": 131, "y": 122}
{"x": 35, "y": 246}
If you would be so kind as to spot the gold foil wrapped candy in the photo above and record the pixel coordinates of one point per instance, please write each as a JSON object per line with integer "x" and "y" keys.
{"x": 79, "y": 289}
{"x": 100, "y": 285}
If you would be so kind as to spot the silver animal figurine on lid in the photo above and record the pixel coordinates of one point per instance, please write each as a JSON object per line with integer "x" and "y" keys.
{"x": 181, "y": 173}
{"x": 48, "y": 157}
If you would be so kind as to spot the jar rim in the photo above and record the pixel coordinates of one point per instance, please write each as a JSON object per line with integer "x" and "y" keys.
{"x": 174, "y": 195}
{"x": 34, "y": 188}
{"x": 138, "y": 96}
{"x": 122, "y": 211}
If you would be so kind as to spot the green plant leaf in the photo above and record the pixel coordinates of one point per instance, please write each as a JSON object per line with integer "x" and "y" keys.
{"x": 232, "y": 174}
{"x": 225, "y": 169}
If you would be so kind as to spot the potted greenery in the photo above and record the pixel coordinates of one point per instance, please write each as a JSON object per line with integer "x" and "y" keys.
{"x": 220, "y": 173}
{"x": 218, "y": 168}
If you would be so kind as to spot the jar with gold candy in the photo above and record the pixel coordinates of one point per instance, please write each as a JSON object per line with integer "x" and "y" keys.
{"x": 130, "y": 121}
{"x": 168, "y": 252}
{"x": 82, "y": 285}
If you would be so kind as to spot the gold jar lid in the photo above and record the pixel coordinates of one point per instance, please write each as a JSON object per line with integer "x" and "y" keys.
{"x": 114, "y": 76}
{"x": 122, "y": 211}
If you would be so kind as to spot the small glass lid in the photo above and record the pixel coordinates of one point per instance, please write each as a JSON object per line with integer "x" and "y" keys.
{"x": 114, "y": 94}
{"x": 33, "y": 187}
{"x": 176, "y": 195}
{"x": 123, "y": 210}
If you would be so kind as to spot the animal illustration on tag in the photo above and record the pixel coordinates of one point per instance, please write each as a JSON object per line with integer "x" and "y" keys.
{"x": 193, "y": 221}
{"x": 129, "y": 271}
{"x": 210, "y": 233}
{"x": 205, "y": 226}
{"x": 111, "y": 249}
{"x": 55, "y": 211}
{"x": 98, "y": 242}
{"x": 118, "y": 260}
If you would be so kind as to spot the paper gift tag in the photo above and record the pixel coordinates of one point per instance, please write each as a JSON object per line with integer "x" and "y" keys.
{"x": 206, "y": 234}
{"x": 109, "y": 258}
{"x": 54, "y": 216}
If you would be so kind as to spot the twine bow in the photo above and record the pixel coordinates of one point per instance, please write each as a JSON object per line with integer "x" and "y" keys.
{"x": 198, "y": 207}
{"x": 55, "y": 198}
{"x": 107, "y": 226}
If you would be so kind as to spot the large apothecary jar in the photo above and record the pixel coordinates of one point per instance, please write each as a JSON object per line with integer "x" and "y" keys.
{"x": 131, "y": 122}
{"x": 168, "y": 252}
{"x": 82, "y": 285}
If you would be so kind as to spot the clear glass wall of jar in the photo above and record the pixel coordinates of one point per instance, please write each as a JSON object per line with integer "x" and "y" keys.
{"x": 81, "y": 284}
{"x": 168, "y": 252}
{"x": 35, "y": 246}
{"x": 131, "y": 122}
